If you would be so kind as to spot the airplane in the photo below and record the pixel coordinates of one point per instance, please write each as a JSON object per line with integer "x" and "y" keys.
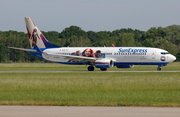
{"x": 99, "y": 57}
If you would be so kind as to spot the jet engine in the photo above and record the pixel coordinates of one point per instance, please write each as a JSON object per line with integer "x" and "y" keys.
{"x": 104, "y": 63}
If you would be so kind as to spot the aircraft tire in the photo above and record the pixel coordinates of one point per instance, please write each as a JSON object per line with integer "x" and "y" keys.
{"x": 90, "y": 68}
{"x": 159, "y": 69}
{"x": 103, "y": 69}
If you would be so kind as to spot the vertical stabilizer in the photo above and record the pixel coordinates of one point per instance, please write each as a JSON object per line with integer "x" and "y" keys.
{"x": 36, "y": 36}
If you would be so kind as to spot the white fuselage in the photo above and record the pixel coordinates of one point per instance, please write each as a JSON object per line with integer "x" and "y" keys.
{"x": 120, "y": 55}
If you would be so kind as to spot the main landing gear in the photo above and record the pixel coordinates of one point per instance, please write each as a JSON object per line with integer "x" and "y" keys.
{"x": 103, "y": 69}
{"x": 90, "y": 68}
{"x": 159, "y": 69}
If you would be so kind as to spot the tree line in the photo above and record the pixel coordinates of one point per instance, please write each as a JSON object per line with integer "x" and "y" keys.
{"x": 167, "y": 38}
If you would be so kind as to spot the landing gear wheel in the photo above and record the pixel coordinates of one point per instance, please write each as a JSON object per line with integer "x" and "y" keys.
{"x": 90, "y": 68}
{"x": 159, "y": 69}
{"x": 103, "y": 69}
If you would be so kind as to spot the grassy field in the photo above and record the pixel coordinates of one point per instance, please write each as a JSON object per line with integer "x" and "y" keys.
{"x": 60, "y": 67}
{"x": 88, "y": 89}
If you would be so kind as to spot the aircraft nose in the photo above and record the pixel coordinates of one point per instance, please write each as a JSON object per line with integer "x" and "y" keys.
{"x": 173, "y": 58}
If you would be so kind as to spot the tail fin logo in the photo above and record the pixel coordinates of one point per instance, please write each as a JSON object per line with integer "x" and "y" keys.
{"x": 35, "y": 35}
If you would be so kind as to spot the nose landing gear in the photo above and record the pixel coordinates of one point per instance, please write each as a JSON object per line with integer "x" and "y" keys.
{"x": 159, "y": 69}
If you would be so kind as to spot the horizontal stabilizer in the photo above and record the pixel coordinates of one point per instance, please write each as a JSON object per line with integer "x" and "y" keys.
{"x": 28, "y": 50}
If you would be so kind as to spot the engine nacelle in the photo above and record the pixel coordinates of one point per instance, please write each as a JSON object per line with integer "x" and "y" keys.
{"x": 125, "y": 66}
{"x": 104, "y": 63}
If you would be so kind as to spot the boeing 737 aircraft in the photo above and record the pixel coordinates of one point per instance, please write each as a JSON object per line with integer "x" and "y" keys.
{"x": 99, "y": 57}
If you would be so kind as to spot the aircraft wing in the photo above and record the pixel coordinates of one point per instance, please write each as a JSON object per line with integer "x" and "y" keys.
{"x": 28, "y": 50}
{"x": 90, "y": 59}
{"x": 83, "y": 58}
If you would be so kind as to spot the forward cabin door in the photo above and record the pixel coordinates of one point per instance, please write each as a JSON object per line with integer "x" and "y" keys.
{"x": 153, "y": 54}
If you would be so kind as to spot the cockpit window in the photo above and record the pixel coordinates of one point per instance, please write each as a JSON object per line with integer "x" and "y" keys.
{"x": 164, "y": 53}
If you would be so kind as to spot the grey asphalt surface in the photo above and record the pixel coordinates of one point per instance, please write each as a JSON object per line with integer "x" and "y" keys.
{"x": 80, "y": 111}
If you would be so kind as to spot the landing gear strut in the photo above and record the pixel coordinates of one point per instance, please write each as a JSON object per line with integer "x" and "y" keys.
{"x": 159, "y": 69}
{"x": 90, "y": 68}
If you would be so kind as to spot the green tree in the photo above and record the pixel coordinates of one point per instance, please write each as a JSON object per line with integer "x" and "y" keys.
{"x": 75, "y": 41}
{"x": 164, "y": 44}
{"x": 72, "y": 30}
{"x": 125, "y": 40}
{"x": 178, "y": 57}
{"x": 173, "y": 34}
{"x": 148, "y": 43}
{"x": 92, "y": 36}
{"x": 3, "y": 53}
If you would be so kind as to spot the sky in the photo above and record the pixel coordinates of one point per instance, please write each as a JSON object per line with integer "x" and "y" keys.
{"x": 89, "y": 15}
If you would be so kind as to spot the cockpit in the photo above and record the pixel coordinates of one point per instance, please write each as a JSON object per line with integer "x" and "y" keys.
{"x": 164, "y": 53}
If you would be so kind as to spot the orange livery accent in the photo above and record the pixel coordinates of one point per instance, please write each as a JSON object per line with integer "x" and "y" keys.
{"x": 29, "y": 34}
{"x": 33, "y": 23}
{"x": 33, "y": 42}
{"x": 101, "y": 62}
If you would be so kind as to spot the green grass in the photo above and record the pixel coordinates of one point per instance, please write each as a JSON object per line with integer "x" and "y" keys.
{"x": 90, "y": 89}
{"x": 60, "y": 67}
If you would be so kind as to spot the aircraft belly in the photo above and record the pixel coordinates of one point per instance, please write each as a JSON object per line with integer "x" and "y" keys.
{"x": 133, "y": 59}
{"x": 53, "y": 58}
